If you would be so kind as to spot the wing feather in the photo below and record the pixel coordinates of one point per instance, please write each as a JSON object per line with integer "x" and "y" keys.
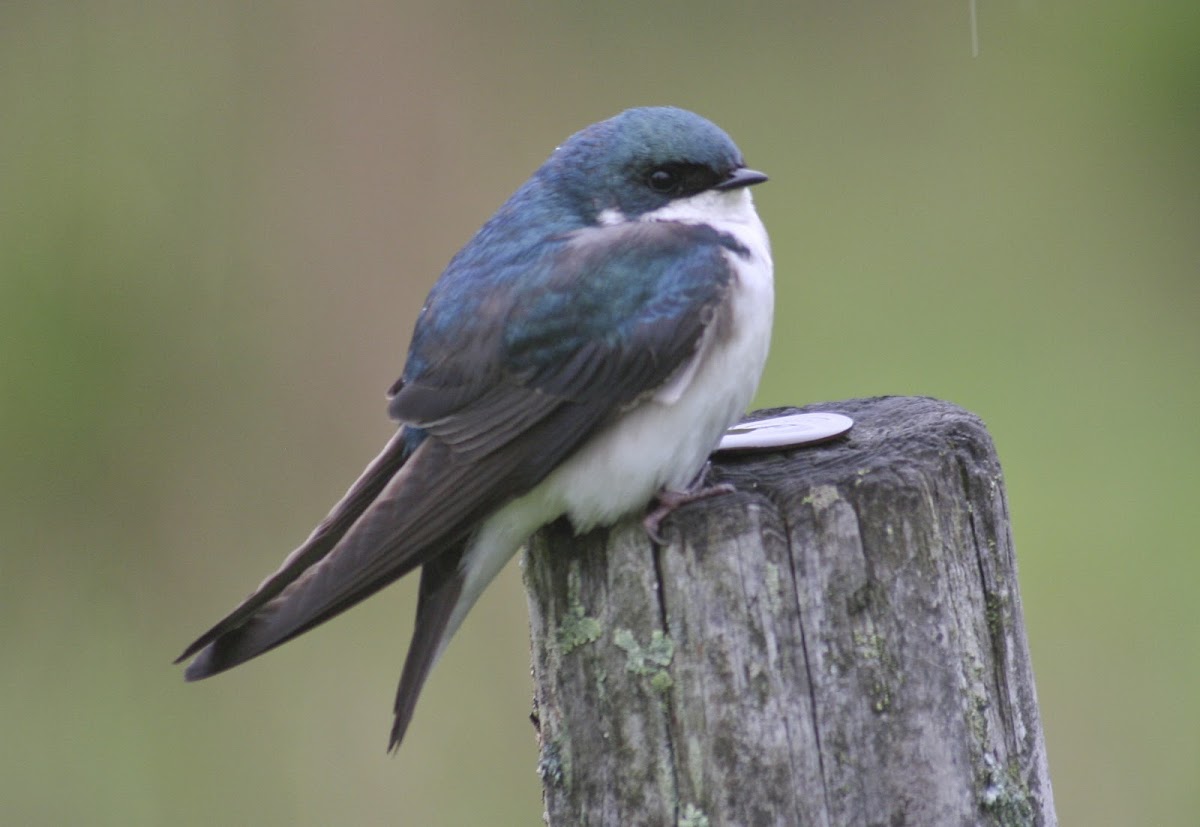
{"x": 539, "y": 383}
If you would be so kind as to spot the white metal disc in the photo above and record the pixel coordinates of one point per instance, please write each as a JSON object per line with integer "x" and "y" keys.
{"x": 784, "y": 431}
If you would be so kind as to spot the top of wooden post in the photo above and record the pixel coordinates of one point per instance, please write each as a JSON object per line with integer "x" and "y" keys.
{"x": 838, "y": 642}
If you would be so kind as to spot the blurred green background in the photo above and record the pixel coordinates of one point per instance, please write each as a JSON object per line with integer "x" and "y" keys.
{"x": 218, "y": 220}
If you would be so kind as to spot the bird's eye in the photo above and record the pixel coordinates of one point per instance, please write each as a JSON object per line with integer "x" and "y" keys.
{"x": 662, "y": 180}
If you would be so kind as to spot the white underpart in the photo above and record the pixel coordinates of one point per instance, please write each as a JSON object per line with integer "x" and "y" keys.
{"x": 611, "y": 217}
{"x": 665, "y": 440}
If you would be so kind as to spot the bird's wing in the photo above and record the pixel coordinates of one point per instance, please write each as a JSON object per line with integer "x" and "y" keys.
{"x": 501, "y": 400}
{"x": 322, "y": 540}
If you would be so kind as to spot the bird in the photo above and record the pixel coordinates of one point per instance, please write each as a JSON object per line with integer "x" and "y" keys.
{"x": 579, "y": 357}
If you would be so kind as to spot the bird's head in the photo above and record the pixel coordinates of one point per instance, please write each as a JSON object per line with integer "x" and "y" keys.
{"x": 634, "y": 165}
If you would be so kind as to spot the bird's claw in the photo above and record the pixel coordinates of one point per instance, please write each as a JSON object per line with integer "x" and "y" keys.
{"x": 668, "y": 501}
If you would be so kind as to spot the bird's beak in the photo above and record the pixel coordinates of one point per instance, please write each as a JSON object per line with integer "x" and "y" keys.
{"x": 741, "y": 177}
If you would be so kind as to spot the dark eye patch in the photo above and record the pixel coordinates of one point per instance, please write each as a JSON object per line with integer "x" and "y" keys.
{"x": 680, "y": 180}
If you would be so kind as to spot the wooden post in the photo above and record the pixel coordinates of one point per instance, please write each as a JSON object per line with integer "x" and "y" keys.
{"x": 839, "y": 642}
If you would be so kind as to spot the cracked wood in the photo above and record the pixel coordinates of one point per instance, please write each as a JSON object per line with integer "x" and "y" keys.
{"x": 839, "y": 642}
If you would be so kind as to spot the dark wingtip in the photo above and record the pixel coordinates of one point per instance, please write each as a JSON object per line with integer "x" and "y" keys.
{"x": 399, "y": 727}
{"x": 201, "y": 667}
{"x": 194, "y": 647}
{"x": 202, "y": 643}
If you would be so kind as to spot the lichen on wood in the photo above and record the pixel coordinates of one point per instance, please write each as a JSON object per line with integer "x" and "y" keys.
{"x": 840, "y": 641}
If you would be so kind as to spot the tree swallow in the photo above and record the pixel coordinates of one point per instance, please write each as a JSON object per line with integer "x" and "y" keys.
{"x": 580, "y": 356}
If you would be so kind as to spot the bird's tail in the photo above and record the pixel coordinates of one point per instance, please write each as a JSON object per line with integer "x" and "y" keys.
{"x": 441, "y": 590}
{"x": 450, "y": 585}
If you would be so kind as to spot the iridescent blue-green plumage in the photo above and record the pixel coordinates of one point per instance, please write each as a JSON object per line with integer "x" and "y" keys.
{"x": 585, "y": 177}
{"x": 568, "y": 309}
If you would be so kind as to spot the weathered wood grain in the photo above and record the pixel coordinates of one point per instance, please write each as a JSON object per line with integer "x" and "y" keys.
{"x": 840, "y": 642}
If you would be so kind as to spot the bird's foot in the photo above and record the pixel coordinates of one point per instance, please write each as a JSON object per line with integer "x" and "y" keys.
{"x": 668, "y": 501}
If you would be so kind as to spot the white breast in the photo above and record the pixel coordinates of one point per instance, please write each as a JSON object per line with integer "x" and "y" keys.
{"x": 665, "y": 440}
